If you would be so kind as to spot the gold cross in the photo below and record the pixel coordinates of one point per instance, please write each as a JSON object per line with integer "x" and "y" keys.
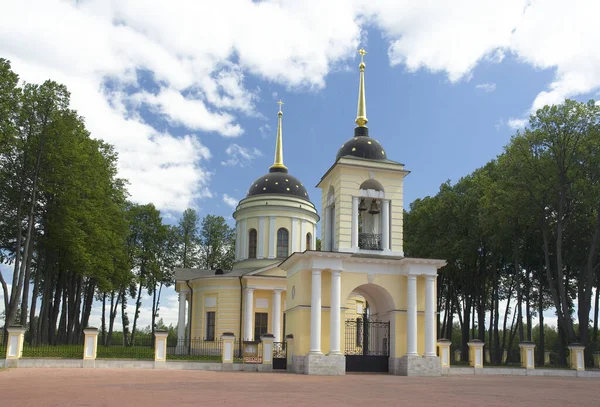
{"x": 362, "y": 53}
{"x": 280, "y": 103}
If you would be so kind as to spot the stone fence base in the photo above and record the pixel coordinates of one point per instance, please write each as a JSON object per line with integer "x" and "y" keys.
{"x": 501, "y": 371}
{"x": 132, "y": 364}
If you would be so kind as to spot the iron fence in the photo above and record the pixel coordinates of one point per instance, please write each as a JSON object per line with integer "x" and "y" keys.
{"x": 43, "y": 350}
{"x": 142, "y": 347}
{"x": 194, "y": 349}
{"x": 3, "y": 343}
{"x": 279, "y": 350}
{"x": 248, "y": 351}
{"x": 370, "y": 338}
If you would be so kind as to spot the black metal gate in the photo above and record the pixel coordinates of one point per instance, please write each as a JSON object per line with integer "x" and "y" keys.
{"x": 367, "y": 345}
{"x": 279, "y": 356}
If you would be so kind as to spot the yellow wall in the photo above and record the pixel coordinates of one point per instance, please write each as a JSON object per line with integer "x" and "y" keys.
{"x": 227, "y": 294}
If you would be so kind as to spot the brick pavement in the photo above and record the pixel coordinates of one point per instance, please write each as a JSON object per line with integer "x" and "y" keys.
{"x": 169, "y": 388}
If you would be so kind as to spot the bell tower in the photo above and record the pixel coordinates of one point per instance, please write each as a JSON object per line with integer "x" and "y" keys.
{"x": 362, "y": 193}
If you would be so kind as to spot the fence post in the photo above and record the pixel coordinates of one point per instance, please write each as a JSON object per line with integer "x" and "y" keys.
{"x": 576, "y": 361}
{"x": 160, "y": 346}
{"x": 527, "y": 354}
{"x": 476, "y": 353}
{"x": 547, "y": 357}
{"x": 504, "y": 356}
{"x": 228, "y": 339}
{"x": 14, "y": 345}
{"x": 90, "y": 346}
{"x": 444, "y": 350}
{"x": 289, "y": 352}
{"x": 267, "y": 349}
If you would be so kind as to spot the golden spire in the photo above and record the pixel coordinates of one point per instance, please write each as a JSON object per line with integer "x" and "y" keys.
{"x": 278, "y": 162}
{"x": 361, "y": 114}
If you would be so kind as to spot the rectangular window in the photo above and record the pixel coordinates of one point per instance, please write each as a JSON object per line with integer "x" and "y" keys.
{"x": 261, "y": 321}
{"x": 210, "y": 325}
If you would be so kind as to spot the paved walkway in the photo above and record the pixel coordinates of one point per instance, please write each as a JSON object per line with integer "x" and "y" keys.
{"x": 130, "y": 387}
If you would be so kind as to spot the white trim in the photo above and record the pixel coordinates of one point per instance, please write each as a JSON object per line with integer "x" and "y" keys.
{"x": 371, "y": 193}
{"x": 303, "y": 234}
{"x": 294, "y": 239}
{"x": 272, "y": 237}
{"x": 261, "y": 238}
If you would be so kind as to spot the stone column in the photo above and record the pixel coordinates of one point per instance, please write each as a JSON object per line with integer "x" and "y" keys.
{"x": 444, "y": 348}
{"x": 294, "y": 232}
{"x": 576, "y": 361}
{"x": 267, "y": 351}
{"x": 335, "y": 311}
{"x": 277, "y": 314}
{"x": 243, "y": 240}
{"x": 248, "y": 310}
{"x": 385, "y": 224}
{"x": 429, "y": 316}
{"x": 272, "y": 237}
{"x": 527, "y": 355}
{"x": 261, "y": 238}
{"x": 14, "y": 345}
{"x": 228, "y": 339}
{"x": 475, "y": 353}
{"x": 411, "y": 316}
{"x": 315, "y": 313}
{"x": 181, "y": 320}
{"x": 90, "y": 343}
{"x": 354, "y": 239}
{"x": 160, "y": 346}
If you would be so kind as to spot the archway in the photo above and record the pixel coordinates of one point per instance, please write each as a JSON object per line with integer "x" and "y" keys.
{"x": 368, "y": 334}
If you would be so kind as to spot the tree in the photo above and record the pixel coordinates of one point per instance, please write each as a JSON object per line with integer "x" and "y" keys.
{"x": 188, "y": 236}
{"x": 217, "y": 243}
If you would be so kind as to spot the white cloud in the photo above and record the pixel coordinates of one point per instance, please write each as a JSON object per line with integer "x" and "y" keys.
{"x": 230, "y": 200}
{"x": 486, "y": 87}
{"x": 517, "y": 123}
{"x": 118, "y": 58}
{"x": 240, "y": 156}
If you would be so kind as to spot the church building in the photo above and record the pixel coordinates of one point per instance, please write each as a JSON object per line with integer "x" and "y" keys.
{"x": 357, "y": 304}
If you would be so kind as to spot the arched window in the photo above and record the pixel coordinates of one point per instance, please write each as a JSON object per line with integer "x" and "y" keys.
{"x": 308, "y": 241}
{"x": 252, "y": 244}
{"x": 283, "y": 243}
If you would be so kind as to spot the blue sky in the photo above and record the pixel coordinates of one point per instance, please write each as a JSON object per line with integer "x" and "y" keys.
{"x": 191, "y": 107}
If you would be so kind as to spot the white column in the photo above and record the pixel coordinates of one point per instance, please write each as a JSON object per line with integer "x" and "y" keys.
{"x": 315, "y": 313}
{"x": 243, "y": 241}
{"x": 248, "y": 310}
{"x": 181, "y": 320}
{"x": 327, "y": 230}
{"x": 261, "y": 238}
{"x": 277, "y": 314}
{"x": 303, "y": 233}
{"x": 385, "y": 224}
{"x": 430, "y": 338}
{"x": 237, "y": 241}
{"x": 354, "y": 239}
{"x": 294, "y": 235}
{"x": 335, "y": 311}
{"x": 411, "y": 316}
{"x": 272, "y": 237}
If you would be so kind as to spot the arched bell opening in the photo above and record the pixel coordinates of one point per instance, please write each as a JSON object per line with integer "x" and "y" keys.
{"x": 370, "y": 222}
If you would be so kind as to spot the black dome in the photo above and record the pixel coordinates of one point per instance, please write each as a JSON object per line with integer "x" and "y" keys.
{"x": 278, "y": 182}
{"x": 363, "y": 146}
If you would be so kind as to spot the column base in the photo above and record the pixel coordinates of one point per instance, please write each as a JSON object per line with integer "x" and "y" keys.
{"x": 324, "y": 365}
{"x": 409, "y": 365}
{"x": 88, "y": 363}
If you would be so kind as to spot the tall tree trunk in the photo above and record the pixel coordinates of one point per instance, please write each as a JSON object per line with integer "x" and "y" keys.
{"x": 125, "y": 319}
{"x": 138, "y": 305}
{"x": 33, "y": 332}
{"x": 596, "y": 313}
{"x": 466, "y": 328}
{"x": 114, "y": 306}
{"x": 103, "y": 323}
{"x": 25, "y": 300}
{"x": 528, "y": 311}
{"x": 542, "y": 347}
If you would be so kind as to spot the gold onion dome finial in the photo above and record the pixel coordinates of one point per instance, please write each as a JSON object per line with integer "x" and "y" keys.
{"x": 361, "y": 114}
{"x": 278, "y": 162}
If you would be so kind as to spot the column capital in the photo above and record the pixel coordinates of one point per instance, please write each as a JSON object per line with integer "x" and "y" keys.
{"x": 184, "y": 291}
{"x": 317, "y": 272}
{"x": 278, "y": 290}
{"x": 411, "y": 276}
{"x": 249, "y": 289}
{"x": 335, "y": 272}
{"x": 429, "y": 277}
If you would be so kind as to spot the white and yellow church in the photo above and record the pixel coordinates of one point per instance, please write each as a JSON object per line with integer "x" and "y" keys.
{"x": 355, "y": 305}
